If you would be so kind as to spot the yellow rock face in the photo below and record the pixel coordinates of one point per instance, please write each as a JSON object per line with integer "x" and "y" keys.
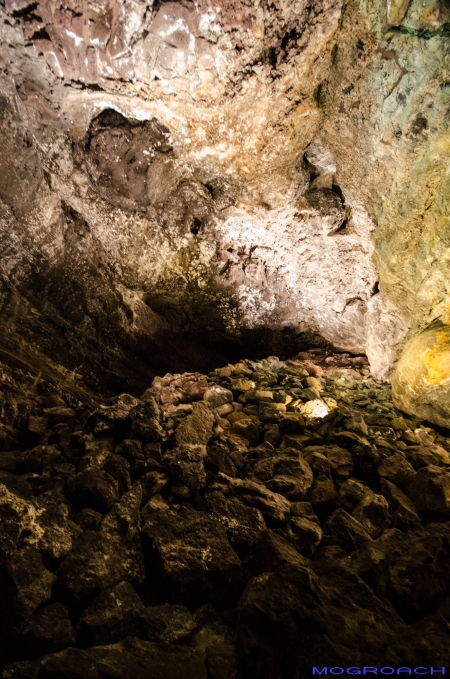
{"x": 396, "y": 11}
{"x": 421, "y": 382}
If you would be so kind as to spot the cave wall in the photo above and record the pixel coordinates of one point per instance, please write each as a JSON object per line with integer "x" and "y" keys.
{"x": 178, "y": 175}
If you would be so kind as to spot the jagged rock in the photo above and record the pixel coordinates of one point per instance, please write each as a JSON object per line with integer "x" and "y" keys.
{"x": 396, "y": 469}
{"x": 351, "y": 493}
{"x": 145, "y": 418}
{"x": 305, "y": 533}
{"x": 341, "y": 461}
{"x": 402, "y": 511}
{"x": 113, "y": 615}
{"x": 285, "y": 472}
{"x": 372, "y": 512}
{"x": 365, "y": 456}
{"x": 270, "y": 552}
{"x": 217, "y": 396}
{"x": 117, "y": 467}
{"x": 25, "y": 585}
{"x": 242, "y": 523}
{"x": 219, "y": 460}
{"x": 102, "y": 559}
{"x": 88, "y": 519}
{"x": 221, "y": 661}
{"x": 129, "y": 659}
{"x": 273, "y": 506}
{"x": 192, "y": 555}
{"x": 287, "y": 617}
{"x": 343, "y": 530}
{"x": 422, "y": 643}
{"x": 422, "y": 456}
{"x": 246, "y": 429}
{"x": 186, "y": 464}
{"x": 151, "y": 484}
{"x": 322, "y": 495}
{"x": 49, "y": 630}
{"x": 169, "y": 624}
{"x": 411, "y": 570}
{"x": 196, "y": 428}
{"x": 429, "y": 489}
{"x": 92, "y": 489}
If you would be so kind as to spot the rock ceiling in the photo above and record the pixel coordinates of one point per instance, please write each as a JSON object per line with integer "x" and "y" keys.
{"x": 176, "y": 175}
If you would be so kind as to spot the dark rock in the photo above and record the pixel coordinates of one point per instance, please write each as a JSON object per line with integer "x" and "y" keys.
{"x": 170, "y": 623}
{"x": 218, "y": 459}
{"x": 221, "y": 661}
{"x": 146, "y": 424}
{"x": 49, "y": 630}
{"x": 396, "y": 469}
{"x": 290, "y": 618}
{"x": 246, "y": 429}
{"x": 323, "y": 496}
{"x": 242, "y": 523}
{"x": 372, "y": 512}
{"x": 292, "y": 423}
{"x": 342, "y": 529}
{"x": 92, "y": 489}
{"x": 365, "y": 456}
{"x": 305, "y": 534}
{"x": 270, "y": 552}
{"x": 117, "y": 467}
{"x": 151, "y": 483}
{"x": 341, "y": 461}
{"x": 40, "y": 458}
{"x": 196, "y": 428}
{"x": 102, "y": 559}
{"x": 422, "y": 456}
{"x": 58, "y": 414}
{"x": 186, "y": 464}
{"x": 113, "y": 615}
{"x": 88, "y": 519}
{"x": 423, "y": 643}
{"x": 129, "y": 659}
{"x": 403, "y": 513}
{"x": 193, "y": 558}
{"x": 351, "y": 493}
{"x": 411, "y": 569}
{"x": 429, "y": 489}
{"x": 195, "y": 391}
{"x": 273, "y": 506}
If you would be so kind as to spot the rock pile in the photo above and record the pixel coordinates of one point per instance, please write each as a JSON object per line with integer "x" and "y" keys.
{"x": 254, "y": 522}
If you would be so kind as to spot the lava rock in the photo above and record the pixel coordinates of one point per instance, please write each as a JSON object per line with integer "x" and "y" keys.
{"x": 145, "y": 418}
{"x": 402, "y": 511}
{"x": 186, "y": 464}
{"x": 102, "y": 559}
{"x": 49, "y": 630}
{"x": 113, "y": 615}
{"x": 429, "y": 489}
{"x": 396, "y": 469}
{"x": 372, "y": 512}
{"x": 270, "y": 552}
{"x": 196, "y": 428}
{"x": 192, "y": 556}
{"x": 343, "y": 530}
{"x": 289, "y": 617}
{"x": 242, "y": 523}
{"x": 92, "y": 489}
{"x": 273, "y": 506}
{"x": 131, "y": 658}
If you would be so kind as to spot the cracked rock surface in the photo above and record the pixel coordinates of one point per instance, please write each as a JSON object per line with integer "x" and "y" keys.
{"x": 251, "y": 522}
{"x": 179, "y": 179}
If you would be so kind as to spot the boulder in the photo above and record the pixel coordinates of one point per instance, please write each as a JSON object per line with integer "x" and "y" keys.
{"x": 92, "y": 489}
{"x": 131, "y": 658}
{"x": 429, "y": 489}
{"x": 186, "y": 464}
{"x": 242, "y": 523}
{"x": 342, "y": 529}
{"x": 196, "y": 428}
{"x": 192, "y": 557}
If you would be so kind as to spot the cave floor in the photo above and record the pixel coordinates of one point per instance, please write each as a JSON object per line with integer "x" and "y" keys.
{"x": 253, "y": 523}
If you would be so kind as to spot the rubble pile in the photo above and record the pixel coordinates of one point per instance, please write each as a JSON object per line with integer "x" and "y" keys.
{"x": 253, "y": 522}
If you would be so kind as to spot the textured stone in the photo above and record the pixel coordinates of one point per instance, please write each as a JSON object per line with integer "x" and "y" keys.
{"x": 196, "y": 428}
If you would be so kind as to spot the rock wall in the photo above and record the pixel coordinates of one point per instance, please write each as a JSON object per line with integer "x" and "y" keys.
{"x": 176, "y": 176}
